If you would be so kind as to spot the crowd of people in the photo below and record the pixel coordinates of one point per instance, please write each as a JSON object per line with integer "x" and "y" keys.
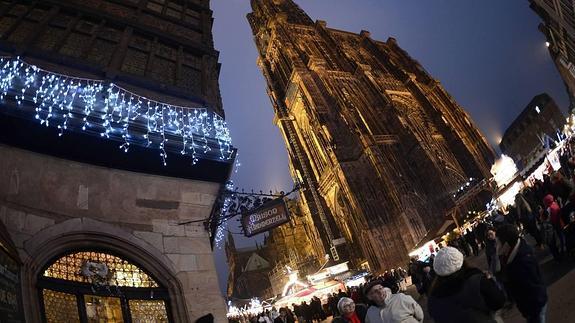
{"x": 454, "y": 290}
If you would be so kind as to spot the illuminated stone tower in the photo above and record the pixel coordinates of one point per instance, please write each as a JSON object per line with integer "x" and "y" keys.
{"x": 379, "y": 144}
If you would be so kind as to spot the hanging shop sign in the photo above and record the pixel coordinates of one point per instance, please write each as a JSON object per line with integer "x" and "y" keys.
{"x": 266, "y": 217}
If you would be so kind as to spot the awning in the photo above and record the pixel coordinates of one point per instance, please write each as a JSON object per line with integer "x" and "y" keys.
{"x": 436, "y": 233}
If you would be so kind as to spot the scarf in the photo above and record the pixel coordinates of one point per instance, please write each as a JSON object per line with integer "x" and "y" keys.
{"x": 353, "y": 318}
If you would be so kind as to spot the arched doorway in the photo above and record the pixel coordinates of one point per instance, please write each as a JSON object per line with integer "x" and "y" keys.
{"x": 95, "y": 285}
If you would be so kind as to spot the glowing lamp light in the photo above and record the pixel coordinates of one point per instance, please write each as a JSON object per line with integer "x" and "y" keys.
{"x": 504, "y": 170}
{"x": 508, "y": 198}
{"x": 547, "y": 44}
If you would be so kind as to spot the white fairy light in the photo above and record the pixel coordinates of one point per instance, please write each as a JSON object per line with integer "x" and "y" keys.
{"x": 220, "y": 235}
{"x": 110, "y": 111}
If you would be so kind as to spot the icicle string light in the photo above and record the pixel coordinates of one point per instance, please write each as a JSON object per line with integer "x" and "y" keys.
{"x": 110, "y": 111}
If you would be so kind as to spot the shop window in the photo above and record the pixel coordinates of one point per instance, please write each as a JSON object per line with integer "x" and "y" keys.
{"x": 103, "y": 309}
{"x": 148, "y": 311}
{"x": 94, "y": 286}
{"x": 60, "y": 307}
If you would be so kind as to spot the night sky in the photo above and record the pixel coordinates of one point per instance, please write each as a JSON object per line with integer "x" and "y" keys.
{"x": 489, "y": 55}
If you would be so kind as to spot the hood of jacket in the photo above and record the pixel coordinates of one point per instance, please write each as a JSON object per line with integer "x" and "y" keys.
{"x": 548, "y": 200}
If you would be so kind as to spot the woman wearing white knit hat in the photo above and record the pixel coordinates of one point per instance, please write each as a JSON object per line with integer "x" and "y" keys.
{"x": 461, "y": 293}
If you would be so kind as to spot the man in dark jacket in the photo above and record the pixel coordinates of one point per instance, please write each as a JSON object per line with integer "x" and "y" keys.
{"x": 522, "y": 274}
{"x": 284, "y": 317}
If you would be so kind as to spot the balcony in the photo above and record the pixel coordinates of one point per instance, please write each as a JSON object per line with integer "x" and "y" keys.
{"x": 95, "y": 121}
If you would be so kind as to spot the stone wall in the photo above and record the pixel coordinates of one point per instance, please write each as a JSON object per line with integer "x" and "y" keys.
{"x": 43, "y": 199}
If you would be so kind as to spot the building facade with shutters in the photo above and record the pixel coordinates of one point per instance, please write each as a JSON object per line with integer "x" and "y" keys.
{"x": 113, "y": 153}
{"x": 378, "y": 143}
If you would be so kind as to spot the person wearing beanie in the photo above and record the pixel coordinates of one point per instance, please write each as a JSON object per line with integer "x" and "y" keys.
{"x": 522, "y": 274}
{"x": 391, "y": 308}
{"x": 461, "y": 293}
{"x": 349, "y": 311}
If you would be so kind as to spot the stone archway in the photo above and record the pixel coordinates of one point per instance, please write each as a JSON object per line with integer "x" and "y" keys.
{"x": 82, "y": 233}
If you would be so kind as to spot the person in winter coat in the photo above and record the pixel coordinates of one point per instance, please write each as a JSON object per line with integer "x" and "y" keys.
{"x": 306, "y": 311}
{"x": 555, "y": 215}
{"x": 548, "y": 236}
{"x": 426, "y": 278}
{"x": 561, "y": 187}
{"x": 522, "y": 274}
{"x": 527, "y": 218}
{"x": 274, "y": 313}
{"x": 391, "y": 308}
{"x": 349, "y": 311}
{"x": 263, "y": 318}
{"x": 491, "y": 252}
{"x": 298, "y": 312}
{"x": 461, "y": 293}
{"x": 284, "y": 316}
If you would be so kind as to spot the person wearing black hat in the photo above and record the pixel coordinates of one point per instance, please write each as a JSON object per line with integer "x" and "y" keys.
{"x": 522, "y": 274}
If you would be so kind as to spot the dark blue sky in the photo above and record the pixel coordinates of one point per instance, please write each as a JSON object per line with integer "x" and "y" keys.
{"x": 489, "y": 55}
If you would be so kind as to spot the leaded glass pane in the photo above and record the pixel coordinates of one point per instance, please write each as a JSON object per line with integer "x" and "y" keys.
{"x": 117, "y": 271}
{"x": 60, "y": 307}
{"x": 148, "y": 311}
{"x": 103, "y": 309}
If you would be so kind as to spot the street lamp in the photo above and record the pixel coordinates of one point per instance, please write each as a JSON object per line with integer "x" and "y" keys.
{"x": 547, "y": 44}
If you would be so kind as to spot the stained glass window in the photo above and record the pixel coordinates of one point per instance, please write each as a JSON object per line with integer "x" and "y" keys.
{"x": 120, "y": 272}
{"x": 147, "y": 311}
{"x": 60, "y": 307}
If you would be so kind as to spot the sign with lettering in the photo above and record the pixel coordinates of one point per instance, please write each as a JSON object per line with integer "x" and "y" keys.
{"x": 266, "y": 217}
{"x": 10, "y": 297}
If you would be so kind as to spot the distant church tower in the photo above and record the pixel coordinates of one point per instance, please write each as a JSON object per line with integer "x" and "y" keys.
{"x": 379, "y": 144}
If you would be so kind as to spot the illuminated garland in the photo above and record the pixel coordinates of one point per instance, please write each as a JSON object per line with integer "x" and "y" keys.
{"x": 220, "y": 235}
{"x": 110, "y": 111}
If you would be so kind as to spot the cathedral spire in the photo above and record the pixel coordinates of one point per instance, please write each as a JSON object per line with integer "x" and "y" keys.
{"x": 264, "y": 11}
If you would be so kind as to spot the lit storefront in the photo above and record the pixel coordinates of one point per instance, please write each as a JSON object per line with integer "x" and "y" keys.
{"x": 92, "y": 285}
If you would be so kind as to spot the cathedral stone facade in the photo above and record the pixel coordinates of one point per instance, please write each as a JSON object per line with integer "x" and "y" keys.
{"x": 378, "y": 143}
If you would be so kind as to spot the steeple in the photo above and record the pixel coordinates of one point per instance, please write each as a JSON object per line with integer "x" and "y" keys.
{"x": 264, "y": 11}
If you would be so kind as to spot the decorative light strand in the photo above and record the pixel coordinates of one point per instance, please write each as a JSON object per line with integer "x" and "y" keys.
{"x": 220, "y": 235}
{"x": 112, "y": 112}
